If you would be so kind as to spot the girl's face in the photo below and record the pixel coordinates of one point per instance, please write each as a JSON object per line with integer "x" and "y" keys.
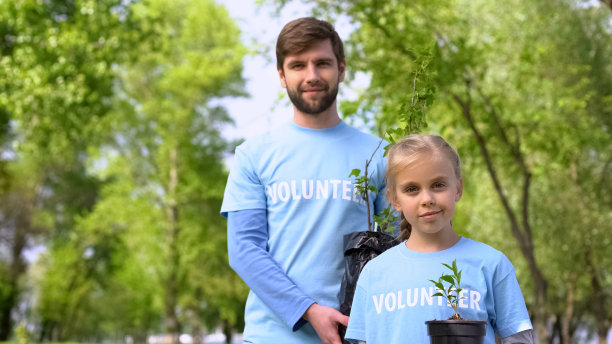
{"x": 426, "y": 192}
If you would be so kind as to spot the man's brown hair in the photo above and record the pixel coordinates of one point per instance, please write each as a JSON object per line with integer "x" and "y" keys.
{"x": 300, "y": 34}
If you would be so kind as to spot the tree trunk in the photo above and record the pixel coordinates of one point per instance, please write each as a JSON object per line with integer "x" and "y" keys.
{"x": 566, "y": 333}
{"x": 196, "y": 329}
{"x": 599, "y": 300}
{"x": 227, "y": 331}
{"x": 521, "y": 230}
{"x": 5, "y": 316}
{"x": 17, "y": 268}
{"x": 555, "y": 333}
{"x": 197, "y": 332}
{"x": 171, "y": 299}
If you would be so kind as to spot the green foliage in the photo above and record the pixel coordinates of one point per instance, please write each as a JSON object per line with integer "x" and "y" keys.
{"x": 450, "y": 293}
{"x": 362, "y": 183}
{"x": 22, "y": 336}
{"x": 107, "y": 112}
{"x": 385, "y": 218}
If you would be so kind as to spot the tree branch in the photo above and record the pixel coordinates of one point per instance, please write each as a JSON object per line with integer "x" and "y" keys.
{"x": 466, "y": 112}
{"x": 518, "y": 156}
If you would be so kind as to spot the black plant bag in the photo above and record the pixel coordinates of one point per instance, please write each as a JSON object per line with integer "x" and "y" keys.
{"x": 359, "y": 248}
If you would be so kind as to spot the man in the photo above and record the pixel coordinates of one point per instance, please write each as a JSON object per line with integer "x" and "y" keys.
{"x": 289, "y": 199}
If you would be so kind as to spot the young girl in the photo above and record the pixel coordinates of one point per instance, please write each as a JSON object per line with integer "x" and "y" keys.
{"x": 393, "y": 298}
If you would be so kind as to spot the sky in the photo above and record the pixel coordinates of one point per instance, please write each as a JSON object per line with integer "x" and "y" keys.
{"x": 264, "y": 109}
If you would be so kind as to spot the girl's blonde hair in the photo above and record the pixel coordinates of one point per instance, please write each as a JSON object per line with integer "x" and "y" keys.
{"x": 404, "y": 153}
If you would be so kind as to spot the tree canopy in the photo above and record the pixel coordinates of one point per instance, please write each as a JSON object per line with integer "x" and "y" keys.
{"x": 112, "y": 160}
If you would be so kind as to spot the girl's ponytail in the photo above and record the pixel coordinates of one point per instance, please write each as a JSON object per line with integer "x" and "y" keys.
{"x": 405, "y": 229}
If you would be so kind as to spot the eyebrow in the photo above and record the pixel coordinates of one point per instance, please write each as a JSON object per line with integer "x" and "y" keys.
{"x": 442, "y": 178}
{"x": 319, "y": 60}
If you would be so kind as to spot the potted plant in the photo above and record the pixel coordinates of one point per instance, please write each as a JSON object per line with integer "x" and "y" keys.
{"x": 454, "y": 330}
{"x": 361, "y": 247}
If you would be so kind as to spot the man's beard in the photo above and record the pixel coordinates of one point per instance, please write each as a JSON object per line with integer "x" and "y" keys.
{"x": 313, "y": 108}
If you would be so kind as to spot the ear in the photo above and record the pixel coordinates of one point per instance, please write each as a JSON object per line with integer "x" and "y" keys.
{"x": 459, "y": 190}
{"x": 395, "y": 203}
{"x": 281, "y": 75}
{"x": 341, "y": 70}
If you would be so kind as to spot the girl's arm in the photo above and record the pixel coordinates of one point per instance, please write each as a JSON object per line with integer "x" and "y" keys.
{"x": 523, "y": 337}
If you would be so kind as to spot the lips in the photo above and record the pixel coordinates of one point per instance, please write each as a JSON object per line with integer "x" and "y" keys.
{"x": 314, "y": 87}
{"x": 430, "y": 214}
{"x": 313, "y": 90}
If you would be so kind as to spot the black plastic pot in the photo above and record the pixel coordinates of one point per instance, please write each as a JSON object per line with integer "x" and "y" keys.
{"x": 359, "y": 248}
{"x": 456, "y": 331}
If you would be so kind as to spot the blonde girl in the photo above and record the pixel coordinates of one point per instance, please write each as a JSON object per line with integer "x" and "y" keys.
{"x": 393, "y": 298}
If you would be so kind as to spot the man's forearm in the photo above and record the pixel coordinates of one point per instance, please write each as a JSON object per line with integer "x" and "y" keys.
{"x": 248, "y": 256}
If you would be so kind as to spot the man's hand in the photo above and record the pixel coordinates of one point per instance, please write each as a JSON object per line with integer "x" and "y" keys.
{"x": 325, "y": 321}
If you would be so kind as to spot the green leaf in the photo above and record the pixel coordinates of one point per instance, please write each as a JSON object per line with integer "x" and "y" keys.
{"x": 355, "y": 172}
{"x": 437, "y": 284}
{"x": 448, "y": 279}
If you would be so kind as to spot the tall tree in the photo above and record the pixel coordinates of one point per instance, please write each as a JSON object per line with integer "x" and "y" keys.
{"x": 56, "y": 84}
{"x": 166, "y": 131}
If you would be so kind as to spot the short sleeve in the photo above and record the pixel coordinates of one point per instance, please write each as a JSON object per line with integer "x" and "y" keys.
{"x": 356, "y": 330}
{"x": 244, "y": 189}
{"x": 510, "y": 310}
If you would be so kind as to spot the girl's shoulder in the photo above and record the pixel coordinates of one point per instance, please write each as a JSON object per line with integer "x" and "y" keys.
{"x": 488, "y": 258}
{"x": 473, "y": 247}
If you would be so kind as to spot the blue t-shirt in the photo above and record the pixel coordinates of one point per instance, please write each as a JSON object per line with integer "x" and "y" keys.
{"x": 301, "y": 177}
{"x": 393, "y": 295}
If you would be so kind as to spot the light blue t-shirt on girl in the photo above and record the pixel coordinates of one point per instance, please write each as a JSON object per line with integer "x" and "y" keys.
{"x": 393, "y": 295}
{"x": 301, "y": 177}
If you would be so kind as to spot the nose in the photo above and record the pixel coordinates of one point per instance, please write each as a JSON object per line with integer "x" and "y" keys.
{"x": 312, "y": 73}
{"x": 428, "y": 198}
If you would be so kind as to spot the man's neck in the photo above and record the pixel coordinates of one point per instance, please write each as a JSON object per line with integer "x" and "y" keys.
{"x": 323, "y": 120}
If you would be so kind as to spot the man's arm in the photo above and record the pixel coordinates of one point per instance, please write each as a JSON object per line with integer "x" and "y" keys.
{"x": 247, "y": 238}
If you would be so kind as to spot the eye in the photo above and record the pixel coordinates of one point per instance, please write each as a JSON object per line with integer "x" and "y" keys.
{"x": 439, "y": 185}
{"x": 410, "y": 189}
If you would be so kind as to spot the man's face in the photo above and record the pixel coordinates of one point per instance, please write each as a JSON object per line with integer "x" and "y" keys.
{"x": 312, "y": 77}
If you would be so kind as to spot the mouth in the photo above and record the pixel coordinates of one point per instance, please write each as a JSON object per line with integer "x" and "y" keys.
{"x": 430, "y": 214}
{"x": 313, "y": 90}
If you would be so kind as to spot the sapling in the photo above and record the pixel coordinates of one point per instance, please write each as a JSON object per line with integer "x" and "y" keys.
{"x": 363, "y": 187}
{"x": 451, "y": 294}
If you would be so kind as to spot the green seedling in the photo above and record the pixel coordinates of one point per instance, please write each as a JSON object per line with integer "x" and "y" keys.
{"x": 363, "y": 186}
{"x": 451, "y": 294}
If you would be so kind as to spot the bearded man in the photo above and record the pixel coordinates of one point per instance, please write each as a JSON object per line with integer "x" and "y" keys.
{"x": 289, "y": 199}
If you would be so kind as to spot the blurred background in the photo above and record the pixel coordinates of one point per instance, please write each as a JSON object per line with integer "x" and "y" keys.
{"x": 118, "y": 121}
